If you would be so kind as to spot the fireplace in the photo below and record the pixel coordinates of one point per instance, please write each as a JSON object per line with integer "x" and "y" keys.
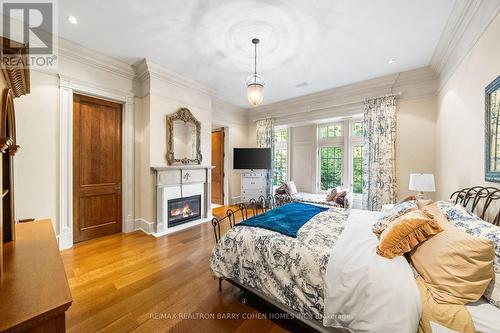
{"x": 182, "y": 210}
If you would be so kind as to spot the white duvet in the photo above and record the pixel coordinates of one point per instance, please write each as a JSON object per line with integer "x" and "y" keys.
{"x": 365, "y": 292}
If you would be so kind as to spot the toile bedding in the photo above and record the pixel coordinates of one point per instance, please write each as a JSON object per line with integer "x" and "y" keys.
{"x": 287, "y": 269}
{"x": 298, "y": 272}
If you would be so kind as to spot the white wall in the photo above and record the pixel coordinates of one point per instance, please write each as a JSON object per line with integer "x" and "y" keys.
{"x": 36, "y": 164}
{"x": 303, "y": 157}
{"x": 460, "y": 118}
{"x": 415, "y": 145}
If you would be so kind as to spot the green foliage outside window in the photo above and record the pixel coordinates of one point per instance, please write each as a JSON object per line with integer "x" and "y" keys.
{"x": 280, "y": 156}
{"x": 357, "y": 128}
{"x": 280, "y": 162}
{"x": 280, "y": 136}
{"x": 357, "y": 175}
{"x": 331, "y": 167}
{"x": 331, "y": 131}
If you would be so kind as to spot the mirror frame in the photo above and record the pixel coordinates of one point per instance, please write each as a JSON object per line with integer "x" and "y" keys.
{"x": 489, "y": 175}
{"x": 186, "y": 116}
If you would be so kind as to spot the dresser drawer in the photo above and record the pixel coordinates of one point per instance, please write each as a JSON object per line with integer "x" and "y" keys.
{"x": 253, "y": 194}
{"x": 193, "y": 176}
{"x": 247, "y": 197}
{"x": 253, "y": 183}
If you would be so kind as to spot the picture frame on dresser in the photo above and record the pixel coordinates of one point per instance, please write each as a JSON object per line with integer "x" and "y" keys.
{"x": 492, "y": 131}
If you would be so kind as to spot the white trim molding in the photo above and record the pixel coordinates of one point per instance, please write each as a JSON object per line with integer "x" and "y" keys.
{"x": 83, "y": 55}
{"x": 145, "y": 226}
{"x": 67, "y": 87}
{"x": 467, "y": 22}
{"x": 347, "y": 100}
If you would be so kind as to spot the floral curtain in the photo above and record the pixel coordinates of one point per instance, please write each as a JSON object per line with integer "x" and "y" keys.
{"x": 379, "y": 152}
{"x": 265, "y": 139}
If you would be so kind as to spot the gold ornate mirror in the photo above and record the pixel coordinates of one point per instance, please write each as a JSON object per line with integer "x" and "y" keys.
{"x": 183, "y": 138}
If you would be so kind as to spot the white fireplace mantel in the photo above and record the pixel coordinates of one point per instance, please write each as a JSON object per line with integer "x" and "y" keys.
{"x": 180, "y": 181}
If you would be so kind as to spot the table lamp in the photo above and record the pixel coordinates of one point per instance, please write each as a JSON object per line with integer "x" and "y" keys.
{"x": 422, "y": 182}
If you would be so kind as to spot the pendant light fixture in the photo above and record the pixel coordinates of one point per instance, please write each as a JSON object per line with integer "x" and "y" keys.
{"x": 255, "y": 83}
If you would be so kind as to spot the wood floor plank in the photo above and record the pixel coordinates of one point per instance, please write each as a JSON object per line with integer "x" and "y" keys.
{"x": 138, "y": 283}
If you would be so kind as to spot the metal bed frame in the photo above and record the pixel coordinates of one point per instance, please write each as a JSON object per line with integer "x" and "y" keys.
{"x": 478, "y": 199}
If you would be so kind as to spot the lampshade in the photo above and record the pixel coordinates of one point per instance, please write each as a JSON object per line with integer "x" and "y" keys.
{"x": 255, "y": 89}
{"x": 422, "y": 182}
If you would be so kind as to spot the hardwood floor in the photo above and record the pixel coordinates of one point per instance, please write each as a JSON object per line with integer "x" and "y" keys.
{"x": 139, "y": 283}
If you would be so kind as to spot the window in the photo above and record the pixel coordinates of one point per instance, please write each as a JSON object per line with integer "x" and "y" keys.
{"x": 280, "y": 156}
{"x": 331, "y": 131}
{"x": 357, "y": 128}
{"x": 357, "y": 169}
{"x": 340, "y": 159}
{"x": 330, "y": 167}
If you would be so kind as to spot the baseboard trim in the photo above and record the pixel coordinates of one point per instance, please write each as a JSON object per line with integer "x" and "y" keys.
{"x": 143, "y": 225}
{"x": 182, "y": 227}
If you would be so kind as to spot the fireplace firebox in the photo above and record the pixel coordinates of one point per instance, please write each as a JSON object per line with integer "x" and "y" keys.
{"x": 182, "y": 210}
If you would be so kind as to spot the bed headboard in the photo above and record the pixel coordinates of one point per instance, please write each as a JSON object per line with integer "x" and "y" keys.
{"x": 480, "y": 201}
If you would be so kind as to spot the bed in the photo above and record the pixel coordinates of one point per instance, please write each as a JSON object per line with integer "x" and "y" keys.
{"x": 325, "y": 276}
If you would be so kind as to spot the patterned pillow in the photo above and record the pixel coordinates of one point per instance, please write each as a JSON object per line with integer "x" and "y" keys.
{"x": 395, "y": 212}
{"x": 456, "y": 212}
{"x": 282, "y": 189}
{"x": 475, "y": 226}
{"x": 331, "y": 195}
{"x": 341, "y": 197}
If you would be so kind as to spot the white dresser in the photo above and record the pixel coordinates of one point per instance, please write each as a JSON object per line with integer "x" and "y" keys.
{"x": 253, "y": 185}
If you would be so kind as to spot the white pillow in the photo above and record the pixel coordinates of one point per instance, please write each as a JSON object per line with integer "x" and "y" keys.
{"x": 292, "y": 189}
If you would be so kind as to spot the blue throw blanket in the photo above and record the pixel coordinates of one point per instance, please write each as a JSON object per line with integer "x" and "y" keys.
{"x": 286, "y": 220}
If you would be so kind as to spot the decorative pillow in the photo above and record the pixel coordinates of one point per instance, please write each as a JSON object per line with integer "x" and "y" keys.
{"x": 341, "y": 197}
{"x": 406, "y": 232}
{"x": 456, "y": 212}
{"x": 456, "y": 267}
{"x": 281, "y": 189}
{"x": 292, "y": 189}
{"x": 395, "y": 212}
{"x": 331, "y": 195}
{"x": 476, "y": 227}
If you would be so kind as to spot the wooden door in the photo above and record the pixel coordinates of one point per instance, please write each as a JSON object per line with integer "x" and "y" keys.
{"x": 97, "y": 168}
{"x": 218, "y": 163}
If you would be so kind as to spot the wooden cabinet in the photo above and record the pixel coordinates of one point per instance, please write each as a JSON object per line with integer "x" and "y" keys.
{"x": 35, "y": 293}
{"x": 13, "y": 83}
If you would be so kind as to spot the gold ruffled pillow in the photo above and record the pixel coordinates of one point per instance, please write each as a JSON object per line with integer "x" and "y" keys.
{"x": 406, "y": 232}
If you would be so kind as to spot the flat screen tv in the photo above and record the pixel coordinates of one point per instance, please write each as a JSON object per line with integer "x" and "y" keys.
{"x": 252, "y": 158}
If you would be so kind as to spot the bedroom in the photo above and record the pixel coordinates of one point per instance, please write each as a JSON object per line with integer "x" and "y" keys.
{"x": 121, "y": 143}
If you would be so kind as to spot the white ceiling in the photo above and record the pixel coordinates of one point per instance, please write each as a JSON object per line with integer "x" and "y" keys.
{"x": 326, "y": 43}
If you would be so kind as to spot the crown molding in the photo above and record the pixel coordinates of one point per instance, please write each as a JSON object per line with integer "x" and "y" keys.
{"x": 95, "y": 59}
{"x": 146, "y": 70}
{"x": 348, "y": 99}
{"x": 467, "y": 22}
